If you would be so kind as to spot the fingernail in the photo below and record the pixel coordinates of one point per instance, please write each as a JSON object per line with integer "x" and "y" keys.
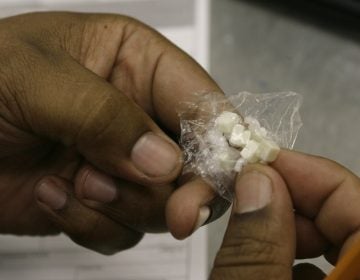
{"x": 154, "y": 156}
{"x": 204, "y": 214}
{"x": 51, "y": 195}
{"x": 253, "y": 191}
{"x": 99, "y": 187}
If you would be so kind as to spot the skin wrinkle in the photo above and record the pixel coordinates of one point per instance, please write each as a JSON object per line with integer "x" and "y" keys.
{"x": 87, "y": 52}
{"x": 155, "y": 48}
{"x": 85, "y": 172}
{"x": 250, "y": 240}
{"x": 123, "y": 39}
{"x": 153, "y": 78}
{"x": 69, "y": 35}
{"x": 255, "y": 249}
{"x": 90, "y": 53}
{"x": 325, "y": 198}
{"x": 336, "y": 189}
{"x": 9, "y": 94}
{"x": 125, "y": 69}
{"x": 92, "y": 115}
{"x": 292, "y": 195}
{"x": 125, "y": 62}
{"x": 34, "y": 59}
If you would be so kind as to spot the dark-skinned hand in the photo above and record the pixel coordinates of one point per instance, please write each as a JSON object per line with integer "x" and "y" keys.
{"x": 301, "y": 206}
{"x": 87, "y": 104}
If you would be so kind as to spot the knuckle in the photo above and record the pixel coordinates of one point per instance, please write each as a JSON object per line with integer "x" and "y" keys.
{"x": 95, "y": 31}
{"x": 251, "y": 257}
{"x": 111, "y": 117}
{"x": 22, "y": 67}
{"x": 249, "y": 250}
{"x": 14, "y": 62}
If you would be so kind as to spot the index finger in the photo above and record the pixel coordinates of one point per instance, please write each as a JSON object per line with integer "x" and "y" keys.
{"x": 178, "y": 78}
{"x": 323, "y": 191}
{"x": 158, "y": 75}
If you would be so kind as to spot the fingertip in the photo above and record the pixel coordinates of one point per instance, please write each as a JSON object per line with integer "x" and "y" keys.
{"x": 180, "y": 215}
{"x": 185, "y": 209}
{"x": 261, "y": 230}
{"x": 264, "y": 174}
{"x": 253, "y": 191}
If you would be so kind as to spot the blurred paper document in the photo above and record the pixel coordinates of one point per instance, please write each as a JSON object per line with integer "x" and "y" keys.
{"x": 157, "y": 257}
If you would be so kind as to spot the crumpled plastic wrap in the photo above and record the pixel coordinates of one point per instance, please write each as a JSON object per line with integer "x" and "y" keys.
{"x": 278, "y": 113}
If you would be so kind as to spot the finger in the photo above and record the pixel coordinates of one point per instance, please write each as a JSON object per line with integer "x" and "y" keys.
{"x": 332, "y": 255}
{"x": 186, "y": 209}
{"x": 310, "y": 242}
{"x": 193, "y": 205}
{"x": 84, "y": 226}
{"x": 177, "y": 79}
{"x": 307, "y": 271}
{"x": 135, "y": 58}
{"x": 260, "y": 239}
{"x": 324, "y": 191}
{"x": 138, "y": 207}
{"x": 143, "y": 208}
{"x": 147, "y": 67}
{"x": 106, "y": 127}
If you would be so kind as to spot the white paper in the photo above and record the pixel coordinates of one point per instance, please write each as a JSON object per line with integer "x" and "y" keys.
{"x": 158, "y": 256}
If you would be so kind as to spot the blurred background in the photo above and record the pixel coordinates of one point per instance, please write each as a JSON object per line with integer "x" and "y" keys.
{"x": 310, "y": 47}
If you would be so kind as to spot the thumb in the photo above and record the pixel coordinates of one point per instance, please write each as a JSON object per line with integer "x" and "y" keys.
{"x": 260, "y": 239}
{"x": 74, "y": 106}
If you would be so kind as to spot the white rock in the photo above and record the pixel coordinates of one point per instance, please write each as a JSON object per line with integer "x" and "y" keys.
{"x": 239, "y": 165}
{"x": 239, "y": 136}
{"x": 227, "y": 158}
{"x": 268, "y": 150}
{"x": 258, "y": 133}
{"x": 252, "y": 122}
{"x": 226, "y": 121}
{"x": 215, "y": 138}
{"x": 250, "y": 151}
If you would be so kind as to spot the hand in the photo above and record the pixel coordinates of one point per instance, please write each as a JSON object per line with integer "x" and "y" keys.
{"x": 84, "y": 103}
{"x": 265, "y": 234}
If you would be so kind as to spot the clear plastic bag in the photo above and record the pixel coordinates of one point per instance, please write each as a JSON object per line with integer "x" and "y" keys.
{"x": 278, "y": 113}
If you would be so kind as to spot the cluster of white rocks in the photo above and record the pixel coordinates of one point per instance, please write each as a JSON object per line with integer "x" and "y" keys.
{"x": 235, "y": 142}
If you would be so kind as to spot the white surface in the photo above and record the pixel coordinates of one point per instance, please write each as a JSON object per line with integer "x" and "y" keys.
{"x": 157, "y": 257}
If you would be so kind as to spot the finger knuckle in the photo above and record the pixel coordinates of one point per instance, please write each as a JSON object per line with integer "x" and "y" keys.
{"x": 257, "y": 257}
{"x": 249, "y": 250}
